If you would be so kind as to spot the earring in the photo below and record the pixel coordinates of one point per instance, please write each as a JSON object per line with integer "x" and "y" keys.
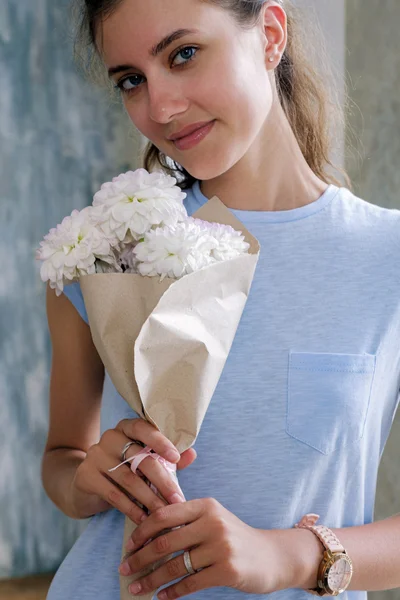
{"x": 271, "y": 59}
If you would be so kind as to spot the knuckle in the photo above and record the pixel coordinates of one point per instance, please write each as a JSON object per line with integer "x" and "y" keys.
{"x": 148, "y": 585}
{"x": 114, "y": 497}
{"x": 212, "y": 504}
{"x": 162, "y": 544}
{"x": 133, "y": 513}
{"x": 136, "y": 425}
{"x": 92, "y": 452}
{"x": 161, "y": 514}
{"x": 226, "y": 547}
{"x": 122, "y": 423}
{"x": 173, "y": 568}
{"x": 107, "y": 437}
{"x": 136, "y": 539}
{"x": 222, "y": 529}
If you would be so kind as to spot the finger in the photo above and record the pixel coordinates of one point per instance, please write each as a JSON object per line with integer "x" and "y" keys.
{"x": 164, "y": 545}
{"x": 118, "y": 499}
{"x": 132, "y": 483}
{"x": 136, "y": 487}
{"x": 207, "y": 578}
{"x": 165, "y": 482}
{"x": 187, "y": 458}
{"x": 139, "y": 429}
{"x": 167, "y": 517}
{"x": 175, "y": 569}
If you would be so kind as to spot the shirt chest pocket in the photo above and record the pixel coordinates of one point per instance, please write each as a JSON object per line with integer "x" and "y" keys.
{"x": 328, "y": 398}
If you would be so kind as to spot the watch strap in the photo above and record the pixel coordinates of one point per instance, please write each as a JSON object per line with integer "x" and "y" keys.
{"x": 326, "y": 536}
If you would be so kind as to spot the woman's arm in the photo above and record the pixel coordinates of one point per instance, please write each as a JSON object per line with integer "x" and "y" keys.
{"x": 76, "y": 384}
{"x": 374, "y": 549}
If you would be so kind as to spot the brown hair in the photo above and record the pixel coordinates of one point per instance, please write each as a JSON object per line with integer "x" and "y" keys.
{"x": 309, "y": 99}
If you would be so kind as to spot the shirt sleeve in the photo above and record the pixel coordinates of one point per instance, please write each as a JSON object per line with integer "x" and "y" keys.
{"x": 74, "y": 294}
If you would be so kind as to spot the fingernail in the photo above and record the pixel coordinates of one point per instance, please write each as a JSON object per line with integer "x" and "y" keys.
{"x": 135, "y": 588}
{"x": 125, "y": 569}
{"x": 172, "y": 455}
{"x": 143, "y": 518}
{"x": 175, "y": 498}
{"x": 130, "y": 545}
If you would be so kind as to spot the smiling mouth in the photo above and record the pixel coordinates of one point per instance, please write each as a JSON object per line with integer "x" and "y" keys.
{"x": 189, "y": 141}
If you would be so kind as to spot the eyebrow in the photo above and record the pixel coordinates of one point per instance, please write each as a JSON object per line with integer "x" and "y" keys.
{"x": 155, "y": 50}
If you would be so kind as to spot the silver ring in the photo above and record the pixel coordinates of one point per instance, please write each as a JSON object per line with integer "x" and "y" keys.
{"x": 127, "y": 445}
{"x": 188, "y": 563}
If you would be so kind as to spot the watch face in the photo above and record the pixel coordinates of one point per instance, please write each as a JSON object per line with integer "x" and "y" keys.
{"x": 340, "y": 574}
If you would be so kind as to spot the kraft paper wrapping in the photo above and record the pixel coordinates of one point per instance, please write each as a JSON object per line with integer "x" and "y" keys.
{"x": 165, "y": 344}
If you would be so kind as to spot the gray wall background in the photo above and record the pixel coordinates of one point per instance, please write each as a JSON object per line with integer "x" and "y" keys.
{"x": 60, "y": 138}
{"x": 373, "y": 73}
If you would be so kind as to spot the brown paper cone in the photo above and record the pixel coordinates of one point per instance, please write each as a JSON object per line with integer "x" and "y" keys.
{"x": 165, "y": 344}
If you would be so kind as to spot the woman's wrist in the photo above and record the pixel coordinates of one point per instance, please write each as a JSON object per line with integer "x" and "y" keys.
{"x": 298, "y": 554}
{"x": 82, "y": 505}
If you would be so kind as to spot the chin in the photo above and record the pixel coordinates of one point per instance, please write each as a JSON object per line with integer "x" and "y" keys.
{"x": 209, "y": 168}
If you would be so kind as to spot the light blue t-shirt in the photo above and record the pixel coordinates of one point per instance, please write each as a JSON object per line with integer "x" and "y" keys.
{"x": 304, "y": 406}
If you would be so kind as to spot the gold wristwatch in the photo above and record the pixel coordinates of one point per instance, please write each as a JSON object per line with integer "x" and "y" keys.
{"x": 336, "y": 568}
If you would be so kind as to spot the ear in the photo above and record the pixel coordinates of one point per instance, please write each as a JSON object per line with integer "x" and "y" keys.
{"x": 274, "y": 23}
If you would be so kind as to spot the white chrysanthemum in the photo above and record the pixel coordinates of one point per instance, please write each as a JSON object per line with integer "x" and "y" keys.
{"x": 71, "y": 249}
{"x": 231, "y": 243}
{"x": 136, "y": 201}
{"x": 184, "y": 248}
{"x": 98, "y": 216}
{"x": 173, "y": 251}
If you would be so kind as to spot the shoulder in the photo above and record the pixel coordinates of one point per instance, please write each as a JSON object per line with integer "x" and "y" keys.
{"x": 369, "y": 209}
{"x": 368, "y": 217}
{"x": 370, "y": 232}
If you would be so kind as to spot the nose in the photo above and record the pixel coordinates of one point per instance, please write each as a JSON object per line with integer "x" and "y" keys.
{"x": 166, "y": 100}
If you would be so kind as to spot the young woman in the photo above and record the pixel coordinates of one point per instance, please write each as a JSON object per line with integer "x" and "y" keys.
{"x": 227, "y": 98}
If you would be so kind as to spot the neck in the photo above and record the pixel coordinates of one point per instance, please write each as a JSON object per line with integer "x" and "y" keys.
{"x": 272, "y": 175}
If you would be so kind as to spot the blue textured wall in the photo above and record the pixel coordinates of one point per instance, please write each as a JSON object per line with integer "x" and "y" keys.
{"x": 60, "y": 138}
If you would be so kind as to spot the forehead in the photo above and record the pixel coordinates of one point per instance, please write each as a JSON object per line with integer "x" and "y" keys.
{"x": 136, "y": 25}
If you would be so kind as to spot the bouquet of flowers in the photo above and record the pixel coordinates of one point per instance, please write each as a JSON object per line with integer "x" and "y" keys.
{"x": 164, "y": 293}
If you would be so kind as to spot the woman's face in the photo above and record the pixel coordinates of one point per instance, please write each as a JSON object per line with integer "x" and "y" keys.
{"x": 215, "y": 73}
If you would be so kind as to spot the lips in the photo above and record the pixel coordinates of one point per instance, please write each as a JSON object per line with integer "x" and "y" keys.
{"x": 190, "y": 141}
{"x": 188, "y": 130}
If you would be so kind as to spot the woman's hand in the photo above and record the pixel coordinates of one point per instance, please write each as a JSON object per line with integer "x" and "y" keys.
{"x": 228, "y": 551}
{"x": 122, "y": 488}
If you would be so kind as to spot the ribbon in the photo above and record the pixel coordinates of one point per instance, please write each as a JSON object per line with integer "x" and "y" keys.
{"x": 168, "y": 466}
{"x": 140, "y": 456}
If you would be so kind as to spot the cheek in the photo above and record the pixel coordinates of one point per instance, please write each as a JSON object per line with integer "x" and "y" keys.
{"x": 248, "y": 108}
{"x": 138, "y": 115}
{"x": 246, "y": 91}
